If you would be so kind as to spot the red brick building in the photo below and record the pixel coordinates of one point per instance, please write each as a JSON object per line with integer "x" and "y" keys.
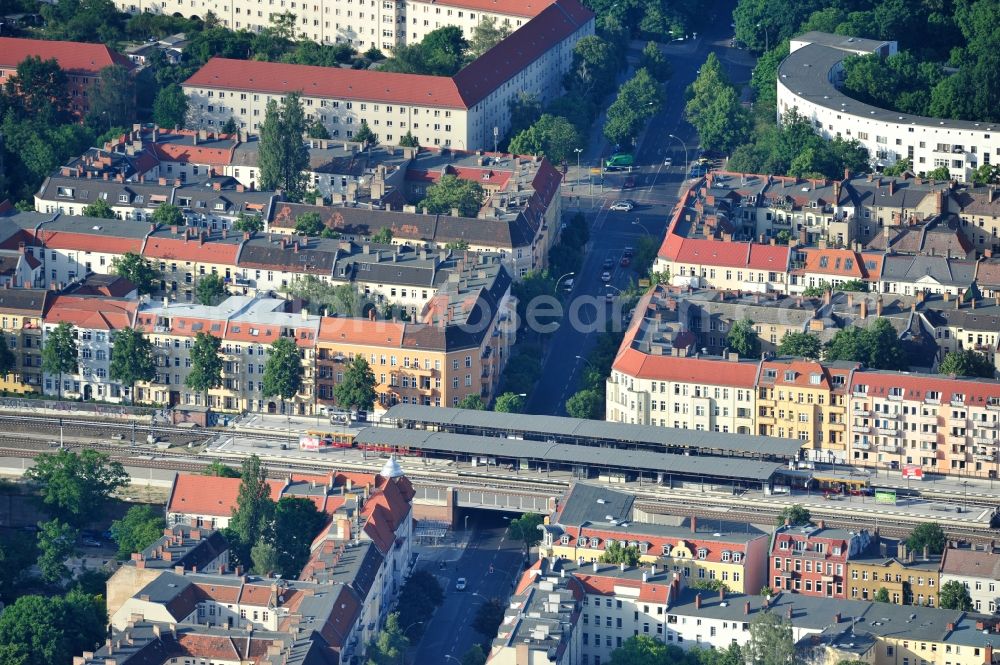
{"x": 82, "y": 63}
{"x": 812, "y": 560}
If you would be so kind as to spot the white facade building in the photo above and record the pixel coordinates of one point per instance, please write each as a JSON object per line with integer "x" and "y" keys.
{"x": 807, "y": 81}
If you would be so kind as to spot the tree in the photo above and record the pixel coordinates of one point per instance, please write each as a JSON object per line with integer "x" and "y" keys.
{"x": 112, "y": 98}
{"x": 132, "y": 359}
{"x": 254, "y": 512}
{"x": 800, "y": 344}
{"x": 317, "y": 130}
{"x": 283, "y": 371}
{"x": 473, "y": 401}
{"x": 296, "y": 523}
{"x": 486, "y": 35}
{"x": 552, "y": 136}
{"x": 451, "y": 192}
{"x": 617, "y": 553}
{"x": 795, "y": 515}
{"x": 525, "y": 110}
{"x": 135, "y": 269}
{"x": 585, "y": 404}
{"x": 309, "y": 224}
{"x": 39, "y": 86}
{"x": 488, "y": 618}
{"x": 16, "y": 557}
{"x": 74, "y": 485}
{"x": 967, "y": 362}
{"x": 770, "y": 641}
{"x": 986, "y": 174}
{"x": 525, "y": 528}
{"x": 264, "y": 556}
{"x": 645, "y": 650}
{"x": 882, "y": 595}
{"x": 35, "y": 630}
{"x": 475, "y": 655}
{"x": 59, "y": 352}
{"x": 7, "y": 359}
{"x": 99, "y": 208}
{"x": 56, "y": 544}
{"x": 282, "y": 156}
{"x": 954, "y": 596}
{"x": 210, "y": 289}
{"x": 407, "y": 140}
{"x": 940, "y": 173}
{"x": 206, "y": 364}
{"x": 877, "y": 346}
{"x": 248, "y": 223}
{"x": 170, "y": 107}
{"x": 167, "y": 214}
{"x": 653, "y": 61}
{"x": 715, "y": 110}
{"x": 389, "y": 645}
{"x": 929, "y": 535}
{"x": 217, "y": 468}
{"x": 418, "y": 598}
{"x": 365, "y": 136}
{"x": 357, "y": 390}
{"x": 509, "y": 403}
{"x": 141, "y": 527}
{"x": 742, "y": 338}
{"x": 383, "y": 236}
{"x": 639, "y": 99}
{"x": 444, "y": 50}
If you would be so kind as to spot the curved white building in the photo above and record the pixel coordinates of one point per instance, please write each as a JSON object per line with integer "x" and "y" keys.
{"x": 808, "y": 79}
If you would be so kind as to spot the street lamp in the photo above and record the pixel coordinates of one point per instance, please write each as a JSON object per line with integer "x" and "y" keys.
{"x": 466, "y": 522}
{"x": 448, "y": 655}
{"x": 687, "y": 166}
{"x": 558, "y": 281}
{"x": 594, "y": 367}
{"x": 965, "y": 486}
{"x": 578, "y": 151}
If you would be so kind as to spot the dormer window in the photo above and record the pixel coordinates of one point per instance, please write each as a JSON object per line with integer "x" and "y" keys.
{"x": 737, "y": 557}
{"x": 595, "y": 542}
{"x": 702, "y": 553}
{"x": 725, "y": 555}
{"x": 665, "y": 550}
{"x": 790, "y": 375}
{"x": 123, "y": 198}
{"x": 220, "y": 206}
{"x": 65, "y": 191}
{"x": 564, "y": 540}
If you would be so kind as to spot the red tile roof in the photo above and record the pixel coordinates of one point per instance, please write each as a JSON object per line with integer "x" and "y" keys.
{"x": 280, "y": 78}
{"x": 160, "y": 247}
{"x": 92, "y": 313}
{"x": 513, "y": 7}
{"x": 604, "y": 585}
{"x": 840, "y": 262}
{"x": 89, "y": 242}
{"x": 916, "y": 386}
{"x": 336, "y": 330}
{"x": 203, "y": 495}
{"x": 193, "y": 154}
{"x": 73, "y": 57}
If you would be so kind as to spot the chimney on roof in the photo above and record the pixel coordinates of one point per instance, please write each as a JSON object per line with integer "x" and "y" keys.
{"x": 722, "y": 593}
{"x": 788, "y": 522}
{"x": 694, "y": 524}
{"x": 826, "y": 297}
{"x": 991, "y": 194}
{"x": 972, "y": 303}
{"x": 863, "y": 309}
{"x": 878, "y": 306}
{"x": 939, "y": 202}
{"x": 927, "y": 553}
{"x": 946, "y": 295}
{"x": 850, "y": 301}
{"x": 789, "y": 613}
{"x": 697, "y": 601}
{"x": 892, "y": 187}
{"x": 821, "y": 524}
{"x": 988, "y": 655}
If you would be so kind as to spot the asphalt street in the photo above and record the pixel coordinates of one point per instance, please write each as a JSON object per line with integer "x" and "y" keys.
{"x": 655, "y": 194}
{"x": 450, "y": 632}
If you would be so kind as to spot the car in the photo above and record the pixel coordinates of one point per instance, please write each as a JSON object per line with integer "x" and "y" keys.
{"x": 624, "y": 262}
{"x": 606, "y": 276}
{"x": 568, "y": 285}
{"x": 622, "y": 206}
{"x": 629, "y": 252}
{"x": 629, "y": 182}
{"x": 609, "y": 296}
{"x": 669, "y": 161}
{"x": 608, "y": 264}
{"x": 460, "y": 584}
{"x": 91, "y": 542}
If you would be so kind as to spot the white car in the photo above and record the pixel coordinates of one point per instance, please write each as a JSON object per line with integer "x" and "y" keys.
{"x": 460, "y": 584}
{"x": 669, "y": 161}
{"x": 622, "y": 206}
{"x": 605, "y": 276}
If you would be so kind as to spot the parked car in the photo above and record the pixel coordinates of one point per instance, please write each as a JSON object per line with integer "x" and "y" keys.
{"x": 606, "y": 276}
{"x": 629, "y": 182}
{"x": 622, "y": 206}
{"x": 628, "y": 252}
{"x": 608, "y": 264}
{"x": 460, "y": 584}
{"x": 669, "y": 161}
{"x": 625, "y": 262}
{"x": 91, "y": 542}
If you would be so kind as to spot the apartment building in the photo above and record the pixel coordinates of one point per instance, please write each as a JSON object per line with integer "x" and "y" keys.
{"x": 81, "y": 62}
{"x": 977, "y": 567}
{"x": 806, "y": 400}
{"x": 943, "y": 425}
{"x": 462, "y": 111}
{"x": 21, "y": 314}
{"x": 94, "y": 321}
{"x": 246, "y": 326}
{"x": 910, "y": 578}
{"x": 812, "y": 560}
{"x": 591, "y": 518}
{"x": 818, "y": 267}
{"x": 457, "y": 347}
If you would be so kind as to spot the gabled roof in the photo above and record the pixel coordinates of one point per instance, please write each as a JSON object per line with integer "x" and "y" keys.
{"x": 916, "y": 386}
{"x": 92, "y": 313}
{"x": 513, "y": 7}
{"x": 73, "y": 57}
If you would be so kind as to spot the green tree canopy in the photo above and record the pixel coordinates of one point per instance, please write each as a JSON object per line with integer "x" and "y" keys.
{"x": 486, "y": 35}
{"x": 801, "y": 344}
{"x": 645, "y": 650}
{"x": 282, "y": 155}
{"x": 365, "y": 136}
{"x": 59, "y": 351}
{"x": 254, "y": 513}
{"x": 7, "y": 359}
{"x": 317, "y": 130}
{"x": 99, "y": 208}
{"x": 206, "y": 364}
{"x": 618, "y": 553}
{"x": 552, "y": 136}
{"x": 73, "y": 486}
{"x": 141, "y": 527}
{"x": 249, "y": 223}
{"x": 795, "y": 514}
{"x": 283, "y": 371}
{"x": 474, "y": 656}
{"x": 112, "y": 99}
{"x": 17, "y": 555}
{"x": 472, "y": 402}
{"x": 954, "y": 596}
{"x": 451, "y": 192}
{"x": 132, "y": 359}
{"x": 489, "y": 616}
{"x": 383, "y": 236}
{"x": 742, "y": 338}
{"x": 264, "y": 556}
{"x": 929, "y": 535}
{"x": 135, "y": 269}
{"x": 36, "y": 630}
{"x": 525, "y": 529}
{"x": 882, "y": 595}
{"x": 297, "y": 522}
{"x": 167, "y": 214}
{"x": 715, "y": 110}
{"x": 771, "y": 641}
{"x": 877, "y": 346}
{"x": 420, "y": 595}
{"x": 653, "y": 60}
{"x": 357, "y": 390}
{"x": 587, "y": 404}
{"x": 967, "y": 362}
{"x": 210, "y": 289}
{"x": 39, "y": 88}
{"x": 639, "y": 99}
{"x": 509, "y": 403}
{"x": 56, "y": 544}
{"x": 389, "y": 645}
{"x": 309, "y": 224}
{"x": 217, "y": 468}
{"x": 408, "y": 140}
{"x": 170, "y": 106}
{"x": 440, "y": 53}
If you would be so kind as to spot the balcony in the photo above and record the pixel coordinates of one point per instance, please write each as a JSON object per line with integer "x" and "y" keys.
{"x": 986, "y": 441}
{"x": 888, "y": 448}
{"x": 862, "y": 413}
{"x": 862, "y": 429}
{"x": 984, "y": 457}
{"x": 861, "y": 445}
{"x": 888, "y": 431}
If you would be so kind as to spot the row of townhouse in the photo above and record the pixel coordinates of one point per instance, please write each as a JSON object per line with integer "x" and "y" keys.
{"x": 457, "y": 347}
{"x": 839, "y": 411}
{"x": 385, "y": 24}
{"x": 467, "y": 111}
{"x": 575, "y": 611}
{"x": 181, "y": 597}
{"x": 80, "y": 62}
